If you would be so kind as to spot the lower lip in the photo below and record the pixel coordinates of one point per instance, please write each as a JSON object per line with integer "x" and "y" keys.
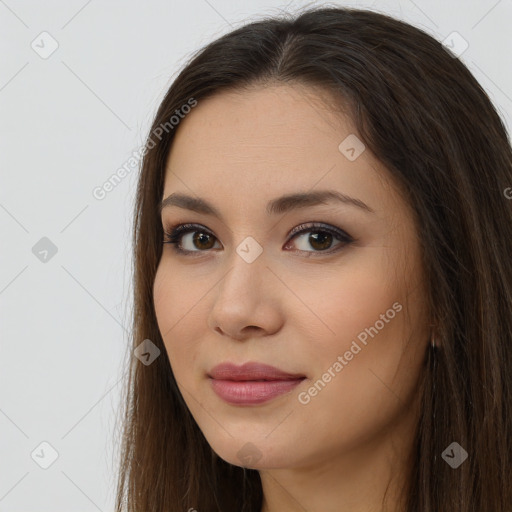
{"x": 252, "y": 392}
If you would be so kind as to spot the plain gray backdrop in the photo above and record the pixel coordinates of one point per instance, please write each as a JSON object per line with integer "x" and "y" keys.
{"x": 79, "y": 84}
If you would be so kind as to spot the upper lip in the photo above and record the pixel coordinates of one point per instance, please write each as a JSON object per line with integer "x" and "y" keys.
{"x": 251, "y": 371}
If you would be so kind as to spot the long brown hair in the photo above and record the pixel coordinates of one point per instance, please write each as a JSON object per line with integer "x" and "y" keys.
{"x": 426, "y": 118}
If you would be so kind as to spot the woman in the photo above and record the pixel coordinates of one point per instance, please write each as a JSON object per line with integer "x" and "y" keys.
{"x": 322, "y": 247}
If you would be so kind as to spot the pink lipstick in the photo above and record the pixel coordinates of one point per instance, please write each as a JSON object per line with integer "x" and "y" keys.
{"x": 251, "y": 383}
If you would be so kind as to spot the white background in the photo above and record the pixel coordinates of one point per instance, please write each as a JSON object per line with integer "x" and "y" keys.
{"x": 67, "y": 124}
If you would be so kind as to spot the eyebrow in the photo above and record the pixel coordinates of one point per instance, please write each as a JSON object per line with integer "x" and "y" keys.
{"x": 276, "y": 206}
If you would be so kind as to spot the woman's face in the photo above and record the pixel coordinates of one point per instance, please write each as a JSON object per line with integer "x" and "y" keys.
{"x": 337, "y": 307}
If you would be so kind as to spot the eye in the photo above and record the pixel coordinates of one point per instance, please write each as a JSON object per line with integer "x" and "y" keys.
{"x": 179, "y": 235}
{"x": 320, "y": 238}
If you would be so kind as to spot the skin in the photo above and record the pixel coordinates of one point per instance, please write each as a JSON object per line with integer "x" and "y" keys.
{"x": 297, "y": 311}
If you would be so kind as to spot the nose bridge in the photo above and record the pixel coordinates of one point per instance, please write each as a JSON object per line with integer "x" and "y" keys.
{"x": 242, "y": 298}
{"x": 247, "y": 267}
{"x": 246, "y": 298}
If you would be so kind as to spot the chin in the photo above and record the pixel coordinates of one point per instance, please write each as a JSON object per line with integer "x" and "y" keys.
{"x": 254, "y": 454}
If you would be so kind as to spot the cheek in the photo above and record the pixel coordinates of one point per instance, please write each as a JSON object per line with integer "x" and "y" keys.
{"x": 177, "y": 307}
{"x": 348, "y": 302}
{"x": 365, "y": 320}
{"x": 368, "y": 316}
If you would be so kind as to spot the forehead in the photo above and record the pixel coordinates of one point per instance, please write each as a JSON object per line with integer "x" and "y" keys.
{"x": 275, "y": 124}
{"x": 264, "y": 142}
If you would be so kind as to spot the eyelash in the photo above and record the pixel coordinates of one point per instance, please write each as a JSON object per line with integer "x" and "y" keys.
{"x": 174, "y": 234}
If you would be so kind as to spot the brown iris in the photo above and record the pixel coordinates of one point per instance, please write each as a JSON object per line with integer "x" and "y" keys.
{"x": 320, "y": 240}
{"x": 201, "y": 238}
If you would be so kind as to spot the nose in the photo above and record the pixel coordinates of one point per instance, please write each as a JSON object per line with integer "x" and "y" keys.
{"x": 247, "y": 300}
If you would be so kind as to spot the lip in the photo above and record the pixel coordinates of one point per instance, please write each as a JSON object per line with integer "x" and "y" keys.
{"x": 251, "y": 383}
{"x": 251, "y": 371}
